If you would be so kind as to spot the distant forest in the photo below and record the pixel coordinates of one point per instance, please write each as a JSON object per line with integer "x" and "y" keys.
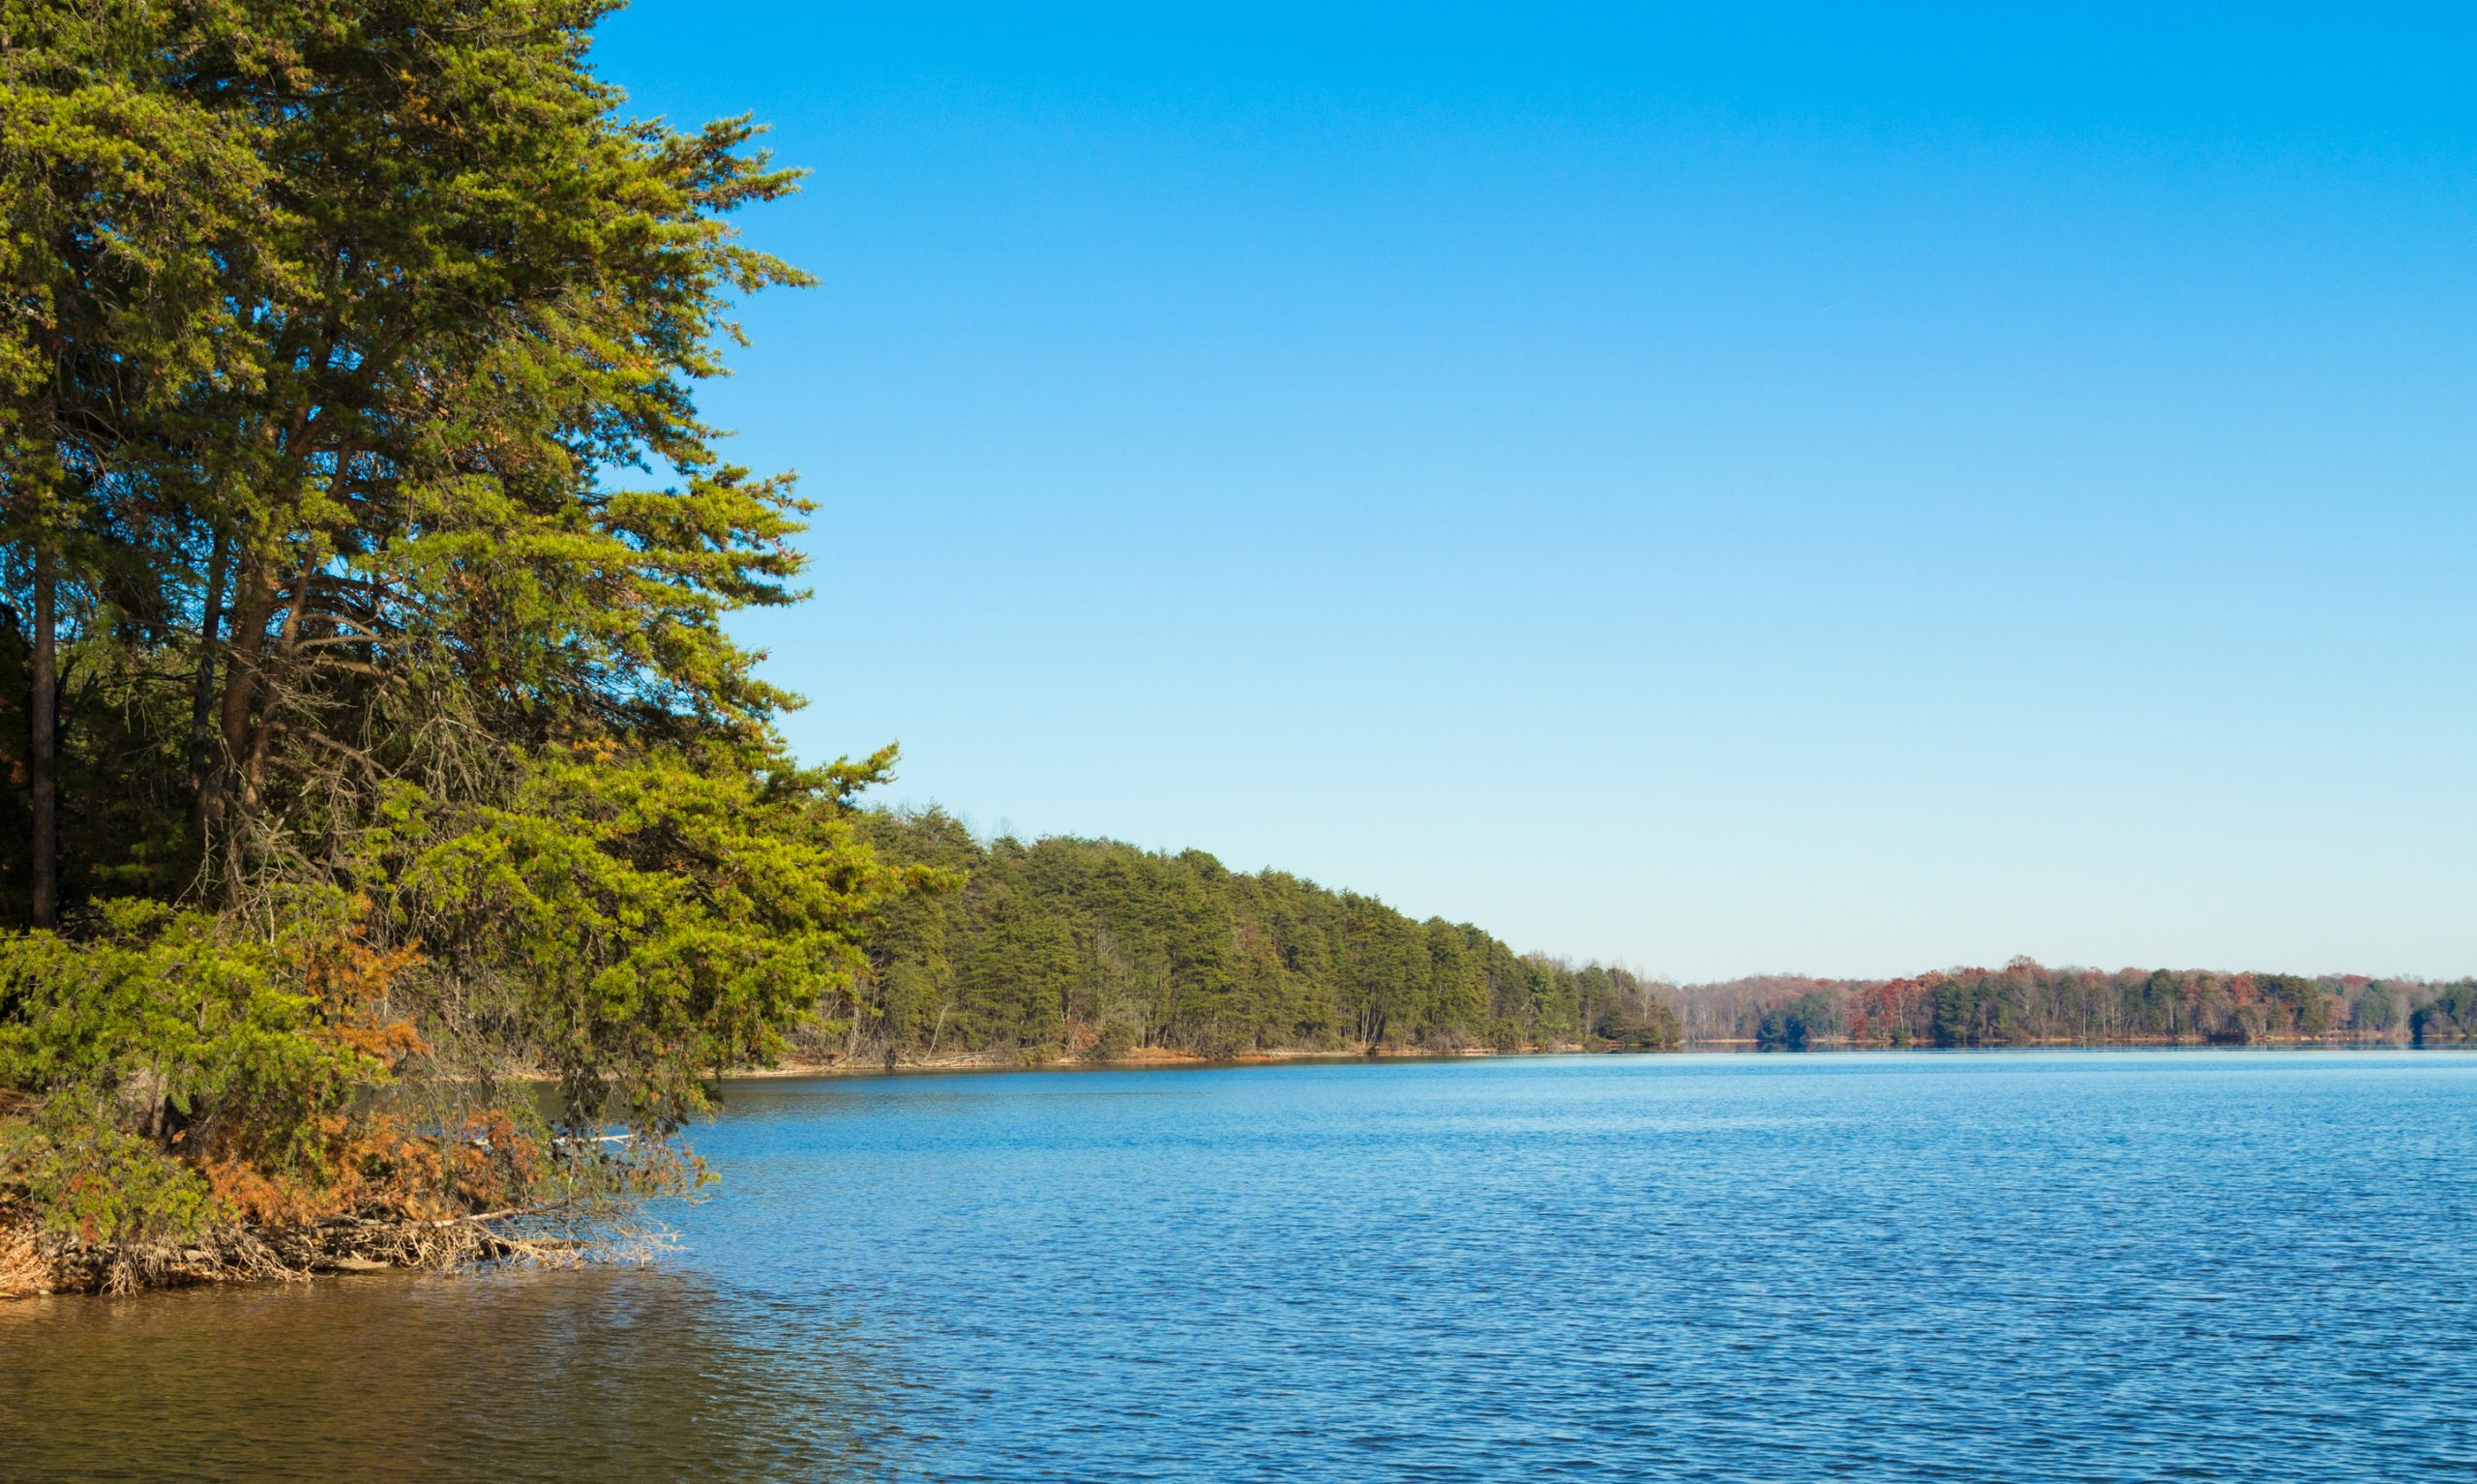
{"x": 2028, "y": 1003}
{"x": 1094, "y": 949}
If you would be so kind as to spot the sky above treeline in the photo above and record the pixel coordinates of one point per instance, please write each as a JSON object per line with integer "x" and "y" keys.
{"x": 1727, "y": 489}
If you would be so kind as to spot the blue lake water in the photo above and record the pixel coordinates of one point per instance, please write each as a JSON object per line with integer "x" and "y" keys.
{"x": 2004, "y": 1267}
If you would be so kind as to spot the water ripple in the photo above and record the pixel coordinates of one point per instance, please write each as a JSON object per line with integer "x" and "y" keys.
{"x": 2016, "y": 1267}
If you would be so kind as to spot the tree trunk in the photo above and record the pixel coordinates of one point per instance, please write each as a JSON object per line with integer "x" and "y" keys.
{"x": 288, "y": 641}
{"x": 252, "y": 605}
{"x": 43, "y": 731}
{"x": 202, "y": 696}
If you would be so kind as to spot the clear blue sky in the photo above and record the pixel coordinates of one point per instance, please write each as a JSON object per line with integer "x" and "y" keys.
{"x": 1740, "y": 487}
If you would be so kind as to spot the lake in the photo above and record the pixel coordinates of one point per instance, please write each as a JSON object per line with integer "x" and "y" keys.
{"x": 1997, "y": 1267}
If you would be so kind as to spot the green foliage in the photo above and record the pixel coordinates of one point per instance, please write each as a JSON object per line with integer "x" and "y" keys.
{"x": 1799, "y": 1025}
{"x": 187, "y": 1025}
{"x": 2376, "y": 1009}
{"x": 88, "y": 1178}
{"x": 355, "y": 496}
{"x": 1961, "y": 1011}
{"x": 1096, "y": 949}
{"x": 653, "y": 915}
{"x": 2449, "y": 1016}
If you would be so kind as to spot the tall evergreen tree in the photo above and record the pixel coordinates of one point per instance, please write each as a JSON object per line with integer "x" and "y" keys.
{"x": 349, "y": 458}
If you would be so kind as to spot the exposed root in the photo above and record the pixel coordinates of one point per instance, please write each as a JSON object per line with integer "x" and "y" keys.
{"x": 33, "y": 1262}
{"x": 23, "y": 1268}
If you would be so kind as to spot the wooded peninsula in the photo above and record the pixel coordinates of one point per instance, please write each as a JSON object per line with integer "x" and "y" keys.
{"x": 398, "y": 846}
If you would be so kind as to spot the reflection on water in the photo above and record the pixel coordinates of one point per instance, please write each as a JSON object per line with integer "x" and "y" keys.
{"x": 606, "y": 1375}
{"x": 2009, "y": 1267}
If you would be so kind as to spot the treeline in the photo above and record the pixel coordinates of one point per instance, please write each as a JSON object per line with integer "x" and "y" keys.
{"x": 1094, "y": 949}
{"x": 2026, "y": 1003}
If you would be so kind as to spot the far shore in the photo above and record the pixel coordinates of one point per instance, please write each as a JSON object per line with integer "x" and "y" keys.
{"x": 1157, "y": 1058}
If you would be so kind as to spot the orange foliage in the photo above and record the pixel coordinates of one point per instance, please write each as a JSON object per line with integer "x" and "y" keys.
{"x": 375, "y": 1166}
{"x": 371, "y": 1164}
{"x": 350, "y": 981}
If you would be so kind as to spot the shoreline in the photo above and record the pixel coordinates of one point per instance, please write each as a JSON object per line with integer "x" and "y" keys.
{"x": 1153, "y": 1060}
{"x": 1159, "y": 1059}
{"x": 31, "y": 1264}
